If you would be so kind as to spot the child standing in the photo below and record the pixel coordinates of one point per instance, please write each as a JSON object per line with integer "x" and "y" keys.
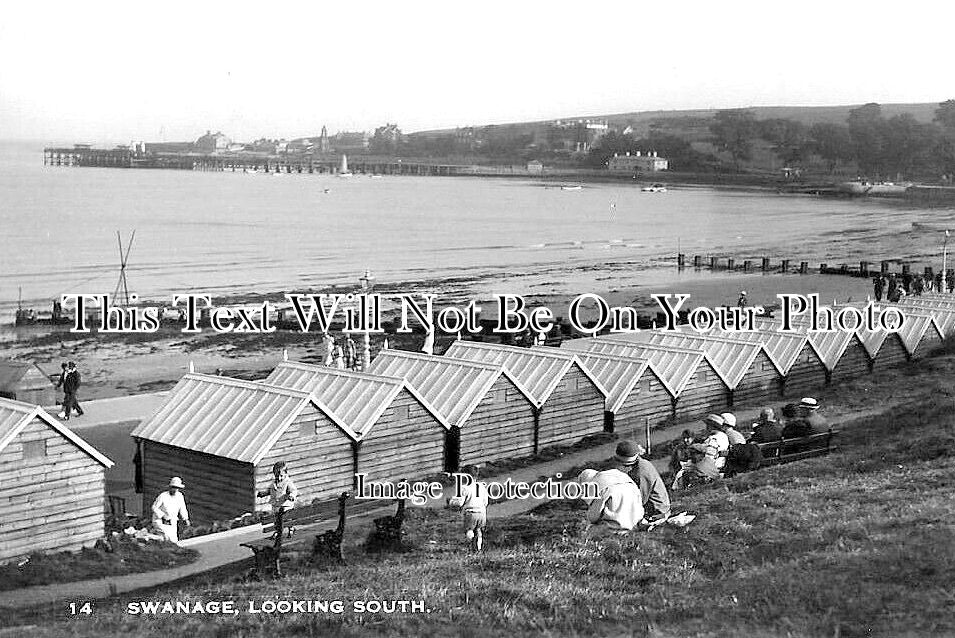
{"x": 282, "y": 492}
{"x": 472, "y": 500}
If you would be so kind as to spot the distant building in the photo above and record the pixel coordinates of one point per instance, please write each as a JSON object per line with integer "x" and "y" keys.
{"x": 213, "y": 142}
{"x": 349, "y": 141}
{"x": 577, "y": 136}
{"x": 535, "y": 166}
{"x": 637, "y": 163}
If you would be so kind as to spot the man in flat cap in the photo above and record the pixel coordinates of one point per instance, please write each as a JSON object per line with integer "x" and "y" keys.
{"x": 628, "y": 458}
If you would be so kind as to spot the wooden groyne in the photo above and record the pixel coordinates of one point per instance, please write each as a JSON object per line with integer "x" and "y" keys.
{"x": 767, "y": 265}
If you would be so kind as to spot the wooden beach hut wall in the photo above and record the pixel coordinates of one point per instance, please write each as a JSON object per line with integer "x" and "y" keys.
{"x": 569, "y": 400}
{"x": 885, "y": 349}
{"x": 636, "y": 395}
{"x": 921, "y": 332}
{"x": 52, "y": 484}
{"x": 25, "y": 381}
{"x": 793, "y": 355}
{"x": 397, "y": 433}
{"x": 491, "y": 416}
{"x": 222, "y": 435}
{"x": 694, "y": 386}
{"x": 746, "y": 368}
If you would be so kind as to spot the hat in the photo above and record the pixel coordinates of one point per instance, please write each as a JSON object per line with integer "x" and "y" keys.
{"x": 742, "y": 292}
{"x": 809, "y": 403}
{"x": 729, "y": 419}
{"x": 587, "y": 476}
{"x": 713, "y": 419}
{"x": 176, "y": 482}
{"x": 627, "y": 452}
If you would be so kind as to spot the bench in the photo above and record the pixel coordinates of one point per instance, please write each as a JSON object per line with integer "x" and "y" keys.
{"x": 268, "y": 549}
{"x": 804, "y": 447}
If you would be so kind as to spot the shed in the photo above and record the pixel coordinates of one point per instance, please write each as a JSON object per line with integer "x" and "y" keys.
{"x": 490, "y": 415}
{"x": 920, "y": 331}
{"x": 746, "y": 368}
{"x": 636, "y": 394}
{"x": 793, "y": 355}
{"x": 942, "y": 310}
{"x": 25, "y": 381}
{"x": 568, "y": 399}
{"x": 884, "y": 348}
{"x": 52, "y": 484}
{"x": 688, "y": 375}
{"x": 222, "y": 435}
{"x": 398, "y": 433}
{"x": 842, "y": 353}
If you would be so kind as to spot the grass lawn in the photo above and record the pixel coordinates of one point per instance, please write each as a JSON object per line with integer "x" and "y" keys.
{"x": 860, "y": 543}
{"x": 126, "y": 556}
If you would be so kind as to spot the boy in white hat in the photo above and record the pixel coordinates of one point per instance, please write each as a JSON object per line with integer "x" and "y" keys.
{"x": 716, "y": 440}
{"x": 729, "y": 429}
{"x": 168, "y": 508}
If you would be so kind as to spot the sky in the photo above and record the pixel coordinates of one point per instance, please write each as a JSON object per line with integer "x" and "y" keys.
{"x": 115, "y": 72}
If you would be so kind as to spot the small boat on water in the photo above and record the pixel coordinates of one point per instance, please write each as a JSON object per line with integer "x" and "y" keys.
{"x": 571, "y": 187}
{"x": 343, "y": 169}
{"x": 654, "y": 188}
{"x": 863, "y": 187}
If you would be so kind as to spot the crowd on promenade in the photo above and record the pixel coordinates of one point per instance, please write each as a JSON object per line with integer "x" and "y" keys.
{"x": 893, "y": 289}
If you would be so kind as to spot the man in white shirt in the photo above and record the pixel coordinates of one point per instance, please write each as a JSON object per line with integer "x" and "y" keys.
{"x": 168, "y": 508}
{"x": 618, "y": 507}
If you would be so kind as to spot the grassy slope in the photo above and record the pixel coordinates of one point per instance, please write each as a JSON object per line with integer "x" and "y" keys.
{"x": 860, "y": 543}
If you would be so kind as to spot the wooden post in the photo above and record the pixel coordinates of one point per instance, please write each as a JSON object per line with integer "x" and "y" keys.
{"x": 804, "y": 268}
{"x": 713, "y": 262}
{"x": 697, "y": 261}
{"x": 884, "y": 267}
{"x": 747, "y": 265}
{"x": 730, "y": 263}
{"x": 784, "y": 265}
{"x": 864, "y": 268}
{"x": 680, "y": 258}
{"x": 765, "y": 264}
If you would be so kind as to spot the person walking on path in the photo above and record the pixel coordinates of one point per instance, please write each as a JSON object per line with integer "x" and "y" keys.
{"x": 168, "y": 508}
{"x": 71, "y": 383}
{"x": 472, "y": 501}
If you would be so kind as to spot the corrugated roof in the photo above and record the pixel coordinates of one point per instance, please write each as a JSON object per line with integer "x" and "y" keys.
{"x": 226, "y": 417}
{"x": 454, "y": 387}
{"x": 943, "y": 312}
{"x": 11, "y": 372}
{"x": 675, "y": 366}
{"x": 618, "y": 374}
{"x": 358, "y": 399}
{"x": 538, "y": 371}
{"x": 782, "y": 348}
{"x": 730, "y": 358}
{"x": 829, "y": 346}
{"x": 16, "y": 415}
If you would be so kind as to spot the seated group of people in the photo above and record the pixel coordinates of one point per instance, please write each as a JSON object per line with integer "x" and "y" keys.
{"x": 725, "y": 451}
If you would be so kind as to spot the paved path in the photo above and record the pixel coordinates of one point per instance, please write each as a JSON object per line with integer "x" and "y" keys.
{"x": 224, "y": 549}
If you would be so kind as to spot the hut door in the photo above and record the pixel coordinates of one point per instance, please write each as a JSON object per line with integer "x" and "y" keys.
{"x": 452, "y": 449}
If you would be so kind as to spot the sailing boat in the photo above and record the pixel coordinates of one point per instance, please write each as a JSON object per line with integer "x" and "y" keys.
{"x": 343, "y": 170}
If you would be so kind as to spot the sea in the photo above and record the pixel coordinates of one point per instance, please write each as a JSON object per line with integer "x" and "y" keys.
{"x": 228, "y": 234}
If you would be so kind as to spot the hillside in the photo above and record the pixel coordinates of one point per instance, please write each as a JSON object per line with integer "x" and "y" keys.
{"x": 859, "y": 543}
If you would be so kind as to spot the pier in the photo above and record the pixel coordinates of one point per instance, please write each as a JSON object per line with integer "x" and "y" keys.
{"x": 766, "y": 265}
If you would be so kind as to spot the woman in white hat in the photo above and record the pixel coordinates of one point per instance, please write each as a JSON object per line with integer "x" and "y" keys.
{"x": 168, "y": 508}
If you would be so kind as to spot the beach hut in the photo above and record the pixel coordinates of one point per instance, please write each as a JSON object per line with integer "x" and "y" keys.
{"x": 842, "y": 353}
{"x": 688, "y": 375}
{"x": 222, "y": 435}
{"x": 491, "y": 416}
{"x": 52, "y": 484}
{"x": 792, "y": 354}
{"x": 636, "y": 395}
{"x": 942, "y": 311}
{"x": 568, "y": 399}
{"x": 398, "y": 433}
{"x": 25, "y": 381}
{"x": 746, "y": 368}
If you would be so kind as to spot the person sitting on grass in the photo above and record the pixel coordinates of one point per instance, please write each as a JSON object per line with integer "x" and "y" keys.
{"x": 703, "y": 470}
{"x": 767, "y": 428}
{"x": 628, "y": 458}
{"x": 281, "y": 492}
{"x": 472, "y": 501}
{"x": 618, "y": 506}
{"x": 681, "y": 453}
